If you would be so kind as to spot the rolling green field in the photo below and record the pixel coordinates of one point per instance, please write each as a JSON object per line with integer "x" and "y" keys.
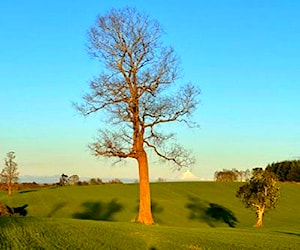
{"x": 192, "y": 215}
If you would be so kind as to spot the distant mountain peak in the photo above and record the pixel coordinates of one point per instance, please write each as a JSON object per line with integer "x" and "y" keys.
{"x": 188, "y": 175}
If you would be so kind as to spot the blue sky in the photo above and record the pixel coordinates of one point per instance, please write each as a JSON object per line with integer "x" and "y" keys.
{"x": 244, "y": 55}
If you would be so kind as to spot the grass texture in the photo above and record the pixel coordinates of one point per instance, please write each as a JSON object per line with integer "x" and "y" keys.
{"x": 192, "y": 215}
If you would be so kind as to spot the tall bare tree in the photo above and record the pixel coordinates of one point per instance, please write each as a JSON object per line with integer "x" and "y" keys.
{"x": 9, "y": 174}
{"x": 133, "y": 92}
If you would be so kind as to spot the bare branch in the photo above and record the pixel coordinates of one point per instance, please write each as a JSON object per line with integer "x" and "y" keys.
{"x": 112, "y": 144}
{"x": 137, "y": 71}
{"x": 170, "y": 109}
{"x": 176, "y": 154}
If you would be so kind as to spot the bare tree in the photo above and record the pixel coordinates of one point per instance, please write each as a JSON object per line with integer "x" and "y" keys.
{"x": 73, "y": 179}
{"x": 133, "y": 91}
{"x": 245, "y": 175}
{"x": 9, "y": 174}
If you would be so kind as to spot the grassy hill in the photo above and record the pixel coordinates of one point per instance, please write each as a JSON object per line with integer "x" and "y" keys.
{"x": 188, "y": 215}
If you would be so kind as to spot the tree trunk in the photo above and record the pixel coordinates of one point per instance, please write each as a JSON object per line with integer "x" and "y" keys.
{"x": 9, "y": 190}
{"x": 260, "y": 213}
{"x": 145, "y": 214}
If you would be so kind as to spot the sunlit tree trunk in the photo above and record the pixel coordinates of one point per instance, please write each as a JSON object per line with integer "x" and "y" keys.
{"x": 145, "y": 215}
{"x": 260, "y": 213}
{"x": 9, "y": 190}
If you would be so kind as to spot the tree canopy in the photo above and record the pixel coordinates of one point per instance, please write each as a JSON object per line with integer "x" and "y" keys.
{"x": 261, "y": 193}
{"x": 286, "y": 170}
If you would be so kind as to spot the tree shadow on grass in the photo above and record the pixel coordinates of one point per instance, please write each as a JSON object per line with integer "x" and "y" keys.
{"x": 289, "y": 233}
{"x": 211, "y": 213}
{"x": 17, "y": 211}
{"x": 99, "y": 210}
{"x": 55, "y": 208}
{"x": 27, "y": 191}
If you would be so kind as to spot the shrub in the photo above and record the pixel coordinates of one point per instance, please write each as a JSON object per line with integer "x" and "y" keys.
{"x": 95, "y": 181}
{"x": 115, "y": 181}
{"x": 4, "y": 210}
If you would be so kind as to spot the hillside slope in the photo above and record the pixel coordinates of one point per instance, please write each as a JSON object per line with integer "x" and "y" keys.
{"x": 174, "y": 204}
{"x": 194, "y": 215}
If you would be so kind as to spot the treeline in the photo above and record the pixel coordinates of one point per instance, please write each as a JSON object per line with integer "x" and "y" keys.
{"x": 74, "y": 181}
{"x": 286, "y": 170}
{"x": 33, "y": 185}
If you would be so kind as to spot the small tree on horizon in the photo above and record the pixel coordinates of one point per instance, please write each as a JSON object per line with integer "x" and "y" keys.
{"x": 134, "y": 91}
{"x": 63, "y": 180}
{"x": 260, "y": 193}
{"x": 73, "y": 179}
{"x": 9, "y": 174}
{"x": 227, "y": 175}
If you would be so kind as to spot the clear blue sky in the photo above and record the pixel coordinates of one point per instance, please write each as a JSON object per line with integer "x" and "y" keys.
{"x": 244, "y": 55}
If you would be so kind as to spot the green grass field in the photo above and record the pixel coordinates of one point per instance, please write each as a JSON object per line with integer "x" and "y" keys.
{"x": 101, "y": 217}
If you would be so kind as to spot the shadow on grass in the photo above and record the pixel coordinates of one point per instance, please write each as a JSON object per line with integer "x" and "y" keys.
{"x": 211, "y": 213}
{"x": 27, "y": 191}
{"x": 55, "y": 208}
{"x": 17, "y": 211}
{"x": 289, "y": 233}
{"x": 99, "y": 210}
